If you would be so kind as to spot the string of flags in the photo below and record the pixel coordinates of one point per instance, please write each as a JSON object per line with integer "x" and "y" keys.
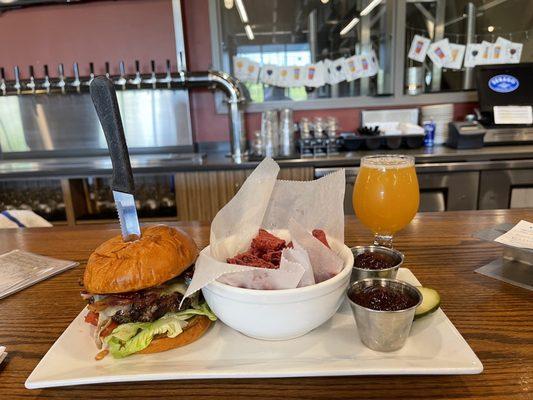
{"x": 312, "y": 75}
{"x": 450, "y": 55}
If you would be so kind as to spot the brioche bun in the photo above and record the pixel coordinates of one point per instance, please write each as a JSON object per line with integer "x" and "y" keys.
{"x": 196, "y": 327}
{"x": 161, "y": 254}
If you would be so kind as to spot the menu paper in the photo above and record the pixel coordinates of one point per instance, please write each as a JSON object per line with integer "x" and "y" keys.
{"x": 20, "y": 269}
{"x": 288, "y": 209}
{"x": 521, "y": 235}
{"x": 513, "y": 114}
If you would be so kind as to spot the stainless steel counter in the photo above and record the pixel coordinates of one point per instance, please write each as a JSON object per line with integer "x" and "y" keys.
{"x": 435, "y": 159}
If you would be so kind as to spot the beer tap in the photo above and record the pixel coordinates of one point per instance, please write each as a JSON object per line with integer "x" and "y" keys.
{"x": 17, "y": 86}
{"x": 107, "y": 74}
{"x": 31, "y": 84}
{"x": 46, "y": 82}
{"x": 137, "y": 80}
{"x": 76, "y": 82}
{"x": 153, "y": 79}
{"x": 168, "y": 77}
{"x": 91, "y": 74}
{"x": 3, "y": 86}
{"x": 121, "y": 81}
{"x": 181, "y": 70}
{"x": 61, "y": 75}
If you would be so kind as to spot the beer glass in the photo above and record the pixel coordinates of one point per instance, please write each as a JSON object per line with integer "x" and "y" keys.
{"x": 386, "y": 195}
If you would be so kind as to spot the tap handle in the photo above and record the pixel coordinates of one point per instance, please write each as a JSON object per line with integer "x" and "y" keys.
{"x": 46, "y": 82}
{"x": 91, "y": 74}
{"x": 61, "y": 73}
{"x": 137, "y": 67}
{"x": 181, "y": 65}
{"x": 168, "y": 67}
{"x": 76, "y": 82}
{"x": 3, "y": 80}
{"x": 17, "y": 78}
{"x": 107, "y": 74}
{"x": 31, "y": 84}
{"x": 121, "y": 81}
{"x": 152, "y": 65}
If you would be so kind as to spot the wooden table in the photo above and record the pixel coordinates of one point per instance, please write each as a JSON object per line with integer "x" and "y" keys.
{"x": 494, "y": 317}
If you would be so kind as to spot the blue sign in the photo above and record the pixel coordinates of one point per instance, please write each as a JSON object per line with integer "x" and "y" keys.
{"x": 503, "y": 83}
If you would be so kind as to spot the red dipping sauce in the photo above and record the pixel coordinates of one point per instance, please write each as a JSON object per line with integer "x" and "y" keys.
{"x": 383, "y": 298}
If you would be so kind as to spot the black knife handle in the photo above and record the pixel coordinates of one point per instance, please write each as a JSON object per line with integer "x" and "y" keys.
{"x": 105, "y": 101}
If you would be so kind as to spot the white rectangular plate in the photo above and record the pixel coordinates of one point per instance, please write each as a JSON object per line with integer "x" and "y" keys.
{"x": 434, "y": 347}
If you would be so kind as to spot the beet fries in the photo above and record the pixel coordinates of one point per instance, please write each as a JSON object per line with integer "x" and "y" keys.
{"x": 265, "y": 250}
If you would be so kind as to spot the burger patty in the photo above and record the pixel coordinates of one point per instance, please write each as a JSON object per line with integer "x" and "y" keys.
{"x": 150, "y": 307}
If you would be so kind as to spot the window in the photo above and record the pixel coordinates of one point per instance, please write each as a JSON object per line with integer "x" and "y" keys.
{"x": 288, "y": 33}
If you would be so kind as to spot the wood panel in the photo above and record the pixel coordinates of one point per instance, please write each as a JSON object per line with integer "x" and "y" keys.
{"x": 200, "y": 194}
{"x": 495, "y": 318}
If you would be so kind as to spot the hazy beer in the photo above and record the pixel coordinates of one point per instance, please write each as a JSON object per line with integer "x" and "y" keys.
{"x": 386, "y": 195}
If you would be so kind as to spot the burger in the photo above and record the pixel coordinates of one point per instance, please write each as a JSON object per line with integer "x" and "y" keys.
{"x": 135, "y": 293}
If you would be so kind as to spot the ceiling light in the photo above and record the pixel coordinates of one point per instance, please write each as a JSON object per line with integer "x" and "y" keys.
{"x": 349, "y": 27}
{"x": 242, "y": 11}
{"x": 373, "y": 4}
{"x": 490, "y": 28}
{"x": 324, "y": 1}
{"x": 249, "y": 32}
{"x": 228, "y": 4}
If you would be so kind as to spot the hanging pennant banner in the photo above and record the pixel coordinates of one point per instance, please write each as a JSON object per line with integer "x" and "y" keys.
{"x": 486, "y": 52}
{"x": 314, "y": 75}
{"x": 457, "y": 52}
{"x": 369, "y": 64}
{"x": 245, "y": 70}
{"x": 419, "y": 48}
{"x": 439, "y": 52}
{"x": 353, "y": 68}
{"x": 296, "y": 76}
{"x": 269, "y": 74}
{"x": 473, "y": 55}
{"x": 336, "y": 71}
{"x": 283, "y": 77}
{"x": 514, "y": 53}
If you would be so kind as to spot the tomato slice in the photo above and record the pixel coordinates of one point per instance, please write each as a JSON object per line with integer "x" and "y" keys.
{"x": 108, "y": 329}
{"x": 92, "y": 318}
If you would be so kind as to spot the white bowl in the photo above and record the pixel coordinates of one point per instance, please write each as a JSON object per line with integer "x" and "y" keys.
{"x": 280, "y": 314}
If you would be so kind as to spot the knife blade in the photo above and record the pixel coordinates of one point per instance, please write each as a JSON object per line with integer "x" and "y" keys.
{"x": 105, "y": 102}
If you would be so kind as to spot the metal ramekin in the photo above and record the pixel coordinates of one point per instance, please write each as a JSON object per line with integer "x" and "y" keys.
{"x": 361, "y": 273}
{"x": 383, "y": 330}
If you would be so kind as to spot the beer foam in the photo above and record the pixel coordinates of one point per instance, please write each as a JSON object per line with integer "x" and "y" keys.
{"x": 387, "y": 162}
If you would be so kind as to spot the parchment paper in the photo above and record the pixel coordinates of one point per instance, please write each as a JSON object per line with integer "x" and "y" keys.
{"x": 288, "y": 209}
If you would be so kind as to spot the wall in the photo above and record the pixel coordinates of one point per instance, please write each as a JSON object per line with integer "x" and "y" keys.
{"x": 113, "y": 31}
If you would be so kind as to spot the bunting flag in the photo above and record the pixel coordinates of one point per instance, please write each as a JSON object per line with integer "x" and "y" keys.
{"x": 318, "y": 74}
{"x": 444, "y": 54}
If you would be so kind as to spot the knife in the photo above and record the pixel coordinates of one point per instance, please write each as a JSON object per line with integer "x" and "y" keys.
{"x": 105, "y": 102}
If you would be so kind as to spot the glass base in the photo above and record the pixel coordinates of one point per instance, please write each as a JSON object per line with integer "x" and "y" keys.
{"x": 383, "y": 240}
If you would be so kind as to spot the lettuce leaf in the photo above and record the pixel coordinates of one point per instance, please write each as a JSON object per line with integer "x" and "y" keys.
{"x": 130, "y": 338}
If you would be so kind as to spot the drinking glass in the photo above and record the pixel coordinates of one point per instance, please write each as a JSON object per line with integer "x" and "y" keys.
{"x": 386, "y": 195}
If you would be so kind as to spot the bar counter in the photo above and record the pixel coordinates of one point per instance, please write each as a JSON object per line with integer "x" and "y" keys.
{"x": 495, "y": 318}
{"x": 161, "y": 163}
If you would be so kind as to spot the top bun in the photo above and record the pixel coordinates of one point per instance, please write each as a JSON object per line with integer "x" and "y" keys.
{"x": 160, "y": 254}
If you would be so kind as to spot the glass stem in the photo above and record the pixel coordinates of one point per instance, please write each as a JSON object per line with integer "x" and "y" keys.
{"x": 383, "y": 240}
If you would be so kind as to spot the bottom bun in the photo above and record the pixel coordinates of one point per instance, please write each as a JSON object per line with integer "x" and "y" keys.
{"x": 196, "y": 327}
